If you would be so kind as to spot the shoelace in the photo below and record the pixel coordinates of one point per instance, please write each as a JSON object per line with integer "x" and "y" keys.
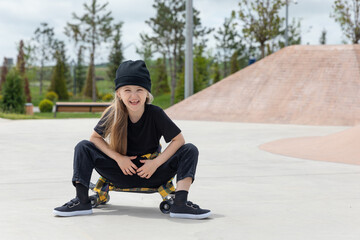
{"x": 72, "y": 203}
{"x": 190, "y": 204}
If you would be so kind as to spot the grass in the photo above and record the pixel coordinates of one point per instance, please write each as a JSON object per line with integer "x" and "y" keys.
{"x": 36, "y": 97}
{"x": 105, "y": 87}
{"x": 61, "y": 115}
{"x": 101, "y": 72}
{"x": 15, "y": 116}
{"x": 162, "y": 101}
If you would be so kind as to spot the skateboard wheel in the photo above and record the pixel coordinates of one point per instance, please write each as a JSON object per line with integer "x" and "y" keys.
{"x": 165, "y": 206}
{"x": 94, "y": 199}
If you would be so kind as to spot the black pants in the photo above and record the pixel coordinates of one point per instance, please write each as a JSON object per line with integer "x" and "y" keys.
{"x": 88, "y": 157}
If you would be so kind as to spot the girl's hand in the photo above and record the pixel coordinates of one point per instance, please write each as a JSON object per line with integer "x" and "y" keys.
{"x": 148, "y": 169}
{"x": 127, "y": 166}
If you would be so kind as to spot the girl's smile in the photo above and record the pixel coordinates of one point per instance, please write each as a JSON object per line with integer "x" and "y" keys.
{"x": 134, "y": 98}
{"x": 134, "y": 102}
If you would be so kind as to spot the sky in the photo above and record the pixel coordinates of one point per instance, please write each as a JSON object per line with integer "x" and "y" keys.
{"x": 20, "y": 18}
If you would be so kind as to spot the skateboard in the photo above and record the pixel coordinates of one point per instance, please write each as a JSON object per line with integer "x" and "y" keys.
{"x": 103, "y": 187}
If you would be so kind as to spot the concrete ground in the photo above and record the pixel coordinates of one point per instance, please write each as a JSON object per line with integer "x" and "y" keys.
{"x": 252, "y": 194}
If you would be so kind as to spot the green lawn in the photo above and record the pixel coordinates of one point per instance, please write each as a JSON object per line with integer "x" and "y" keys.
{"x": 101, "y": 72}
{"x": 105, "y": 87}
{"x": 36, "y": 97}
{"x": 162, "y": 101}
{"x": 60, "y": 115}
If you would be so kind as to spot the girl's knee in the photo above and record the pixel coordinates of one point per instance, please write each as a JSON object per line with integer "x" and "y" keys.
{"x": 190, "y": 154}
{"x": 83, "y": 144}
{"x": 191, "y": 148}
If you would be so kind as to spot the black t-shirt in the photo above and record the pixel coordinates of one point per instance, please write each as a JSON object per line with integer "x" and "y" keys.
{"x": 144, "y": 135}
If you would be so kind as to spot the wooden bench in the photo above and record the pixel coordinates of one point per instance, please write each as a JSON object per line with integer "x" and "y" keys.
{"x": 80, "y": 107}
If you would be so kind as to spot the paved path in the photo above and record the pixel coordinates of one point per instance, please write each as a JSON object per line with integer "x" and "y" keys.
{"x": 253, "y": 194}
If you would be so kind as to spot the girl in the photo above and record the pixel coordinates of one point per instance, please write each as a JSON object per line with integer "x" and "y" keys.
{"x": 129, "y": 128}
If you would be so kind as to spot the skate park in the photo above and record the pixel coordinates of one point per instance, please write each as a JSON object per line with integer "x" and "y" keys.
{"x": 279, "y": 159}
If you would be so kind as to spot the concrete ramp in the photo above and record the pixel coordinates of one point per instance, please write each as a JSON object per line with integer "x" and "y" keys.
{"x": 342, "y": 147}
{"x": 311, "y": 85}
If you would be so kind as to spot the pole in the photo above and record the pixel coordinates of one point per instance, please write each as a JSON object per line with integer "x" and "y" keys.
{"x": 189, "y": 83}
{"x": 286, "y": 22}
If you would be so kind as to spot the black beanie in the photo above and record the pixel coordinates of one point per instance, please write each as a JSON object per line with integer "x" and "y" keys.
{"x": 133, "y": 73}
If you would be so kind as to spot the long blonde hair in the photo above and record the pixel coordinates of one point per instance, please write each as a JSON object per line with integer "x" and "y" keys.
{"x": 116, "y": 123}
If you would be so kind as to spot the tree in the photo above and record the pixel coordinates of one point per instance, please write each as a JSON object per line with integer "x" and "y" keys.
{"x": 322, "y": 39}
{"x": 4, "y": 71}
{"x": 30, "y": 57}
{"x": 234, "y": 63}
{"x": 13, "y": 99}
{"x": 199, "y": 32}
{"x": 30, "y": 54}
{"x": 58, "y": 79}
{"x": 201, "y": 74}
{"x": 228, "y": 41}
{"x": 44, "y": 36}
{"x": 348, "y": 16}
{"x": 146, "y": 53}
{"x": 168, "y": 37}
{"x": 116, "y": 54}
{"x": 80, "y": 70}
{"x": 294, "y": 35}
{"x": 92, "y": 29}
{"x": 201, "y": 69}
{"x": 88, "y": 90}
{"x": 159, "y": 78}
{"x": 147, "y": 50}
{"x": 261, "y": 20}
{"x": 20, "y": 65}
{"x": 216, "y": 72}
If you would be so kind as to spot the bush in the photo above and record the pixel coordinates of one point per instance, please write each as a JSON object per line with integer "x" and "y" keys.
{"x": 46, "y": 105}
{"x": 108, "y": 97}
{"x": 58, "y": 79}
{"x": 13, "y": 96}
{"x": 70, "y": 94}
{"x": 100, "y": 95}
{"x": 52, "y": 96}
